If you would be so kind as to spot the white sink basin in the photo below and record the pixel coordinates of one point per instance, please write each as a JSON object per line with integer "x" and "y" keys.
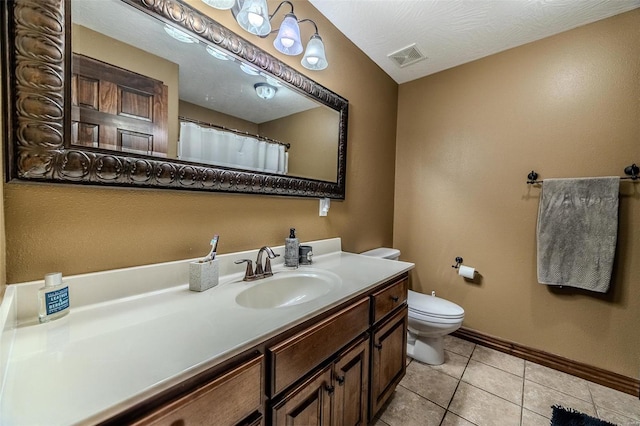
{"x": 287, "y": 288}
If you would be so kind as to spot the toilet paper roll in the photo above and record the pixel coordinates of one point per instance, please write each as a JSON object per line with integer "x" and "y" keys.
{"x": 466, "y": 271}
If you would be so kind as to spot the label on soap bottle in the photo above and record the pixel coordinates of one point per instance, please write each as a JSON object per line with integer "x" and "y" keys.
{"x": 56, "y": 300}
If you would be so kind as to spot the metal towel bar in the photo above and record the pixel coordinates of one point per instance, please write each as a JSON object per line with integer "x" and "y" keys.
{"x": 633, "y": 172}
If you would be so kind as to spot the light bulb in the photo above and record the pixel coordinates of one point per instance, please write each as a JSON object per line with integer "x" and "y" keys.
{"x": 255, "y": 19}
{"x": 312, "y": 60}
{"x": 287, "y": 42}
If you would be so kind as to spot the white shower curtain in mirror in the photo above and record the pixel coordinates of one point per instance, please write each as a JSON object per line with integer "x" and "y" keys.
{"x": 217, "y": 147}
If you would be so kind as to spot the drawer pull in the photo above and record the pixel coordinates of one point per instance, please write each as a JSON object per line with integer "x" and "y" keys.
{"x": 340, "y": 380}
{"x": 329, "y": 389}
{"x": 395, "y": 298}
{"x": 377, "y": 345}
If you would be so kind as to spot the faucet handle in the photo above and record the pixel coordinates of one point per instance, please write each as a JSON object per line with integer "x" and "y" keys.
{"x": 248, "y": 274}
{"x": 267, "y": 265}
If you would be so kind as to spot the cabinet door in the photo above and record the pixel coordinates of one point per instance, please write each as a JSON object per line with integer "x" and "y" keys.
{"x": 388, "y": 358}
{"x": 226, "y": 400}
{"x": 307, "y": 405}
{"x": 351, "y": 381}
{"x": 300, "y": 354}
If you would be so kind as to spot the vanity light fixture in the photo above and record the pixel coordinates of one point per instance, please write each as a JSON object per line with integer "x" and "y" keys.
{"x": 314, "y": 57}
{"x": 265, "y": 90}
{"x": 179, "y": 35}
{"x": 288, "y": 39}
{"x": 253, "y": 16}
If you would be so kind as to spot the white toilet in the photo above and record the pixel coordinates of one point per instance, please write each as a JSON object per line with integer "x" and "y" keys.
{"x": 430, "y": 319}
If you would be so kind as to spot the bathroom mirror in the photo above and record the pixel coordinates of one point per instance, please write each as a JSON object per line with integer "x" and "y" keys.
{"x": 46, "y": 143}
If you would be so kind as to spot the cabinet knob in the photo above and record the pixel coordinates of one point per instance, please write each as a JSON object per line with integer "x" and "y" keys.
{"x": 377, "y": 345}
{"x": 340, "y": 380}
{"x": 329, "y": 389}
{"x": 395, "y": 298}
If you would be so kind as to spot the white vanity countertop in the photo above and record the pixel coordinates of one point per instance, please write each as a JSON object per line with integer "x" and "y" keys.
{"x": 104, "y": 357}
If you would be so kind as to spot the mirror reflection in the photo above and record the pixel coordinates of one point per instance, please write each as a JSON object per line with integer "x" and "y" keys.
{"x": 143, "y": 87}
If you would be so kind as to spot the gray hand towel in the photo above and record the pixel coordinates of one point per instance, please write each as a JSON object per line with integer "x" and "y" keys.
{"x": 577, "y": 232}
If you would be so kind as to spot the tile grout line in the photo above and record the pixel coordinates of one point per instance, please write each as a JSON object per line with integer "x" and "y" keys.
{"x": 456, "y": 389}
{"x": 524, "y": 372}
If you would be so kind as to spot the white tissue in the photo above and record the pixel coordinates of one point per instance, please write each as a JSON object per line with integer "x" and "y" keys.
{"x": 466, "y": 271}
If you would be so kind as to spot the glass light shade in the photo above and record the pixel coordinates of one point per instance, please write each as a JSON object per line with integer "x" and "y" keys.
{"x": 254, "y": 17}
{"x": 265, "y": 91}
{"x": 288, "y": 39}
{"x": 220, "y": 4}
{"x": 314, "y": 57}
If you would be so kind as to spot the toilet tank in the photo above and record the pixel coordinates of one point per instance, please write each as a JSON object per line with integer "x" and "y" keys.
{"x": 383, "y": 253}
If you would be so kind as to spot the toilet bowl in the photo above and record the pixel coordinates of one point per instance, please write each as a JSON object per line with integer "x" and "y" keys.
{"x": 430, "y": 319}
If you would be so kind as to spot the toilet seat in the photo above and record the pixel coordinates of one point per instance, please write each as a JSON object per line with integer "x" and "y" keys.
{"x": 433, "y": 307}
{"x": 432, "y": 319}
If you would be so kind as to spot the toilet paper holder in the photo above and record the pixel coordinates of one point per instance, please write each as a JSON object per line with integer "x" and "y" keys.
{"x": 458, "y": 262}
{"x": 467, "y": 272}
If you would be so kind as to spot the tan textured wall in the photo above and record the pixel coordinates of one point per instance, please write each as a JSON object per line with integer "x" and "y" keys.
{"x": 78, "y": 229}
{"x": 314, "y": 155}
{"x": 196, "y": 112}
{"x": 565, "y": 106}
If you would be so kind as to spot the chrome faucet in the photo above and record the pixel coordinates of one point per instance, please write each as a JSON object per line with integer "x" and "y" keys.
{"x": 260, "y": 272}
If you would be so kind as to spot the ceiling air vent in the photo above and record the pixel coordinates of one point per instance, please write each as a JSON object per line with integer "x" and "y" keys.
{"x": 406, "y": 56}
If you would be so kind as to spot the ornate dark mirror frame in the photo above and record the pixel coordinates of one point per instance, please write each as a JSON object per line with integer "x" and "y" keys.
{"x": 36, "y": 93}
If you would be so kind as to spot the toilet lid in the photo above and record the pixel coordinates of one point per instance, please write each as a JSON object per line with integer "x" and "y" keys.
{"x": 433, "y": 306}
{"x": 383, "y": 252}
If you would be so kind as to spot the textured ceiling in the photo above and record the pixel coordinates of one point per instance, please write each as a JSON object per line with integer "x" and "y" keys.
{"x": 453, "y": 32}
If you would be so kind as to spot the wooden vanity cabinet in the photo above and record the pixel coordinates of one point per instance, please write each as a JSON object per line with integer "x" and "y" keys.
{"x": 233, "y": 398}
{"x": 388, "y": 299}
{"x": 335, "y": 395}
{"x": 388, "y": 360}
{"x": 315, "y": 401}
{"x": 308, "y": 404}
{"x": 337, "y": 369}
{"x": 351, "y": 383}
{"x": 293, "y": 358}
{"x": 356, "y": 381}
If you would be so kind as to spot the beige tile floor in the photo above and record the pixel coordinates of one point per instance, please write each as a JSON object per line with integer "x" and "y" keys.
{"x": 481, "y": 386}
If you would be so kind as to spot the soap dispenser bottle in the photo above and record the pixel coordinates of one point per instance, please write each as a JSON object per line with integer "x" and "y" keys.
{"x": 53, "y": 298}
{"x": 291, "y": 248}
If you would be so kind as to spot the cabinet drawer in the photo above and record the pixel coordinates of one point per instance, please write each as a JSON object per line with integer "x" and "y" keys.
{"x": 299, "y": 354}
{"x": 387, "y": 299}
{"x": 225, "y": 400}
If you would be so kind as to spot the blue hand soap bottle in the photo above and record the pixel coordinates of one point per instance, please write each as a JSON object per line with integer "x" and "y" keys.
{"x": 53, "y": 298}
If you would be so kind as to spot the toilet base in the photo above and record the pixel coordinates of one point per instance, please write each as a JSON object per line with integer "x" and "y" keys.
{"x": 429, "y": 350}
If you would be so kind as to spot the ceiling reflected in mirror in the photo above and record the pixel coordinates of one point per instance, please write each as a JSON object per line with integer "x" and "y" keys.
{"x": 239, "y": 96}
